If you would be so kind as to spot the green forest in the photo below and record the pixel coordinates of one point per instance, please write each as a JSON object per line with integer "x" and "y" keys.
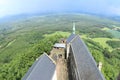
{"x": 23, "y": 41}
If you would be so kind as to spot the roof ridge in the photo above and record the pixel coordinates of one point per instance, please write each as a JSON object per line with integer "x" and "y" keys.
{"x": 70, "y": 38}
{"x": 74, "y": 38}
{"x": 50, "y": 58}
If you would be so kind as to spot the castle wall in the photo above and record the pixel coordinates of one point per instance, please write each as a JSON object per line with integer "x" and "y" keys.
{"x": 72, "y": 67}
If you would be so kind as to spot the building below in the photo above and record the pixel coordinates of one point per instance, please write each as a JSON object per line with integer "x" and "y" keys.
{"x": 68, "y": 60}
{"x": 59, "y": 45}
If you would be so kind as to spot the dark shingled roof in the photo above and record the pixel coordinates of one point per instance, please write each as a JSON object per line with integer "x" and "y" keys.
{"x": 70, "y": 38}
{"x": 118, "y": 78}
{"x": 86, "y": 66}
{"x": 42, "y": 69}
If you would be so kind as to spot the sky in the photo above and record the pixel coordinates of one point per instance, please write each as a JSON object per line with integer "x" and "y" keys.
{"x": 16, "y": 7}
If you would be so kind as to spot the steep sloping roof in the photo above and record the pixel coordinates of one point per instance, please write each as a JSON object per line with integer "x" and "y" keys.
{"x": 42, "y": 69}
{"x": 86, "y": 66}
{"x": 70, "y": 38}
{"x": 118, "y": 78}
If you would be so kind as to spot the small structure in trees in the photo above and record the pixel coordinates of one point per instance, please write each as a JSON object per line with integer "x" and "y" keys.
{"x": 59, "y": 45}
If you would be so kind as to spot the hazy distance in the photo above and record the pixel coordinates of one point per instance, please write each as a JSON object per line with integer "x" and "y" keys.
{"x": 16, "y": 7}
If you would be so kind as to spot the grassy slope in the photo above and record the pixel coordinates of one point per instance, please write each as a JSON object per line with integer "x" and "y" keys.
{"x": 64, "y": 34}
{"x": 103, "y": 41}
{"x": 105, "y": 28}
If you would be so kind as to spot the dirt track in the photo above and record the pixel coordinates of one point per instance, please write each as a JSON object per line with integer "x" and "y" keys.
{"x": 62, "y": 72}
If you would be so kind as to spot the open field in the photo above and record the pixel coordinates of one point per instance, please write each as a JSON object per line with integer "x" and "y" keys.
{"x": 64, "y": 34}
{"x": 103, "y": 41}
